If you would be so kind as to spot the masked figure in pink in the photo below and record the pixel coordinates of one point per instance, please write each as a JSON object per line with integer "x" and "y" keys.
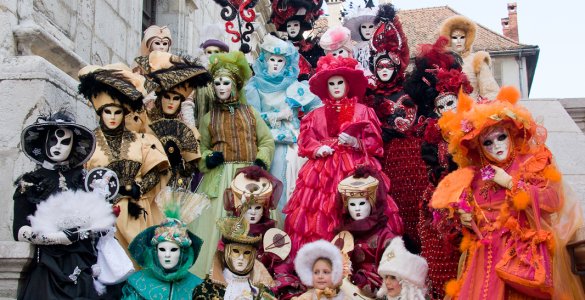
{"x": 508, "y": 194}
{"x": 335, "y": 138}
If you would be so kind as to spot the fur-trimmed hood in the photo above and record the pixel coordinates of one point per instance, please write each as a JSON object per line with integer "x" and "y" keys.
{"x": 462, "y": 23}
{"x": 310, "y": 253}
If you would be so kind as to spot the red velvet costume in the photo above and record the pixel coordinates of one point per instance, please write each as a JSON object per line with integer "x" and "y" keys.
{"x": 371, "y": 236}
{"x": 436, "y": 80}
{"x": 312, "y": 211}
{"x": 400, "y": 125}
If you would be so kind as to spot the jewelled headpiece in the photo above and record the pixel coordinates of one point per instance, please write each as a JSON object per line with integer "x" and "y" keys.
{"x": 172, "y": 230}
{"x": 353, "y": 187}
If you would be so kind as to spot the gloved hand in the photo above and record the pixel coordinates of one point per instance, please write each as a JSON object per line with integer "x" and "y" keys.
{"x": 174, "y": 154}
{"x": 214, "y": 159}
{"x": 502, "y": 178}
{"x": 348, "y": 140}
{"x": 260, "y": 163}
{"x": 465, "y": 217}
{"x": 132, "y": 191}
{"x": 73, "y": 234}
{"x": 96, "y": 270}
{"x": 324, "y": 151}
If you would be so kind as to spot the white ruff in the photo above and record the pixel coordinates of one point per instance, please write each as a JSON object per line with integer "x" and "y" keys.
{"x": 238, "y": 287}
{"x": 88, "y": 211}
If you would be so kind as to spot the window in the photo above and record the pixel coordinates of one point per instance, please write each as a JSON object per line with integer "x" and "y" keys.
{"x": 148, "y": 13}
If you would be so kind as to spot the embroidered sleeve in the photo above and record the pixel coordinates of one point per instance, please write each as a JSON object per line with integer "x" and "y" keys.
{"x": 149, "y": 180}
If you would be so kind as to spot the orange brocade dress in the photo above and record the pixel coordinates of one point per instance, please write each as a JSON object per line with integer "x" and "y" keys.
{"x": 313, "y": 211}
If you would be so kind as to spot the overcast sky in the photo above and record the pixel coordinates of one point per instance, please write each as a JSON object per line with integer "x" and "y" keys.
{"x": 557, "y": 27}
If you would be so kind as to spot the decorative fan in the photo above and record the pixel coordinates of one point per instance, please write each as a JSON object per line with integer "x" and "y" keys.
{"x": 278, "y": 242}
{"x": 126, "y": 171}
{"x": 102, "y": 181}
{"x": 344, "y": 241}
{"x": 177, "y": 131}
{"x": 191, "y": 204}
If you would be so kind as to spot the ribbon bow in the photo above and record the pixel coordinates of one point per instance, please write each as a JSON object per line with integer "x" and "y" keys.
{"x": 328, "y": 293}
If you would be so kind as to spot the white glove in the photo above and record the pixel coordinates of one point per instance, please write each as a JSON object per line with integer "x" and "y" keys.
{"x": 26, "y": 234}
{"x": 96, "y": 270}
{"x": 188, "y": 111}
{"x": 348, "y": 140}
{"x": 324, "y": 151}
{"x": 285, "y": 114}
{"x": 502, "y": 178}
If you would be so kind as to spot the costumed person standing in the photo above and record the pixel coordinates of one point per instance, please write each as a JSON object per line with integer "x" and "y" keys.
{"x": 155, "y": 38}
{"x": 365, "y": 216}
{"x": 167, "y": 251}
{"x": 236, "y": 273}
{"x": 404, "y": 273}
{"x": 509, "y": 194}
{"x": 54, "y": 213}
{"x": 401, "y": 126}
{"x": 176, "y": 78}
{"x": 335, "y": 138}
{"x": 252, "y": 195}
{"x": 434, "y": 84}
{"x": 360, "y": 23}
{"x": 233, "y": 135}
{"x": 476, "y": 65}
{"x": 319, "y": 265}
{"x": 295, "y": 18}
{"x": 276, "y": 93}
{"x": 138, "y": 159}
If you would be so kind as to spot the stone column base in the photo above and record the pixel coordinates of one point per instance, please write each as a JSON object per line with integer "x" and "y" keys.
{"x": 14, "y": 257}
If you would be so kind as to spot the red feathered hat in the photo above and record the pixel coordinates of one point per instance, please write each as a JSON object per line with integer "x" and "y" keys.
{"x": 329, "y": 66}
{"x": 305, "y": 11}
{"x": 389, "y": 40}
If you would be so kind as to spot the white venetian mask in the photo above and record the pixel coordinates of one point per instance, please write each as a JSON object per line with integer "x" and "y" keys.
{"x": 59, "y": 144}
{"x": 495, "y": 143}
{"x": 337, "y": 87}
{"x": 385, "y": 69}
{"x": 341, "y": 52}
{"x": 159, "y": 44}
{"x": 168, "y": 254}
{"x": 254, "y": 213}
{"x": 367, "y": 30}
{"x": 293, "y": 28}
{"x": 223, "y": 87}
{"x": 445, "y": 103}
{"x": 275, "y": 64}
{"x": 359, "y": 208}
{"x": 458, "y": 40}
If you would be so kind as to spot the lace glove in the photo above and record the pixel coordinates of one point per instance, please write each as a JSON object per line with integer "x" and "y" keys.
{"x": 502, "y": 178}
{"x": 348, "y": 140}
{"x": 26, "y": 234}
{"x": 214, "y": 159}
{"x": 324, "y": 151}
{"x": 188, "y": 111}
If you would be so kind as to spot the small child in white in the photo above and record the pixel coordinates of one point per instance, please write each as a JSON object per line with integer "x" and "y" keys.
{"x": 404, "y": 273}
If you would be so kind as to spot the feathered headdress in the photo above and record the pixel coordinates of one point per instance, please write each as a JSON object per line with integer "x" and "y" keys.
{"x": 389, "y": 41}
{"x": 304, "y": 11}
{"x": 462, "y": 128}
{"x": 437, "y": 73}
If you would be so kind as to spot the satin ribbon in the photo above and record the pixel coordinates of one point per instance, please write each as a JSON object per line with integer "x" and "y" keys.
{"x": 328, "y": 293}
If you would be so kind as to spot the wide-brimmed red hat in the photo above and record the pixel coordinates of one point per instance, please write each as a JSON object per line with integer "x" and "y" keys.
{"x": 329, "y": 66}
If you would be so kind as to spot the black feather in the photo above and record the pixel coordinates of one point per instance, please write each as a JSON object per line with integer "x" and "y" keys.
{"x": 386, "y": 13}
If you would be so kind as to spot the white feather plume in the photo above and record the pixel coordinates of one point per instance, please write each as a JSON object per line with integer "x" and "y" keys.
{"x": 88, "y": 211}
